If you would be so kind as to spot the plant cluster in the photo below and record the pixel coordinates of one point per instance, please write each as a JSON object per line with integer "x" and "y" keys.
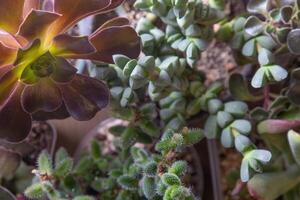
{"x": 134, "y": 173}
{"x": 157, "y": 94}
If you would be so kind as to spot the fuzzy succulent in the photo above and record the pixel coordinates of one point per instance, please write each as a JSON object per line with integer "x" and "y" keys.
{"x": 36, "y": 79}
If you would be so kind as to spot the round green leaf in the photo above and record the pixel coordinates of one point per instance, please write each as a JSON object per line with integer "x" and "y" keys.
{"x": 254, "y": 26}
{"x": 258, "y": 6}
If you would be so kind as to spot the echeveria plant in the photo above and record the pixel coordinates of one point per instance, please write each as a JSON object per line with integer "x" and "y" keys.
{"x": 37, "y": 79}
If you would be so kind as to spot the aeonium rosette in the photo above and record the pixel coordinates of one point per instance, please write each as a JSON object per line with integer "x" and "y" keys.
{"x": 37, "y": 82}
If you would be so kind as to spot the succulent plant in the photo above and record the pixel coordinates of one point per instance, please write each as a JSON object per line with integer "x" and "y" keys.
{"x": 157, "y": 94}
{"x": 37, "y": 81}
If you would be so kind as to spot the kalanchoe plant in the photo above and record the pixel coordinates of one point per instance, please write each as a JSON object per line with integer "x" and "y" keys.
{"x": 37, "y": 81}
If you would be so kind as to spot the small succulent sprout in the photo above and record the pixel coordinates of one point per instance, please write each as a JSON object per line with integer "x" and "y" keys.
{"x": 192, "y": 136}
{"x": 50, "y": 190}
{"x": 170, "y": 179}
{"x": 177, "y": 192}
{"x": 63, "y": 168}
{"x": 128, "y": 182}
{"x": 179, "y": 168}
{"x": 149, "y": 187}
{"x": 85, "y": 164}
{"x": 149, "y": 127}
{"x": 294, "y": 142}
{"x": 129, "y": 137}
{"x": 161, "y": 188}
{"x": 253, "y": 159}
{"x": 96, "y": 150}
{"x": 150, "y": 169}
{"x": 35, "y": 191}
{"x": 139, "y": 155}
{"x": 45, "y": 166}
{"x": 168, "y": 144}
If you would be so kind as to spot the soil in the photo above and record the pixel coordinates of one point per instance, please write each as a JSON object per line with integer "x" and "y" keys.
{"x": 42, "y": 136}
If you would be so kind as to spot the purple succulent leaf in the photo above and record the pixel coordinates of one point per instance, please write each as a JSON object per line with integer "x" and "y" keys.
{"x": 84, "y": 97}
{"x": 42, "y": 96}
{"x": 277, "y": 126}
{"x": 15, "y": 123}
{"x": 64, "y": 72}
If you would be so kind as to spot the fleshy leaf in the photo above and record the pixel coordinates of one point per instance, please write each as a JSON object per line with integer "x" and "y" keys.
{"x": 244, "y": 171}
{"x": 258, "y": 6}
{"x": 118, "y": 21}
{"x": 8, "y": 82}
{"x": 36, "y": 24}
{"x": 29, "y": 5}
{"x": 11, "y": 14}
{"x": 236, "y": 108}
{"x": 60, "y": 113}
{"x": 238, "y": 87}
{"x": 64, "y": 71}
{"x": 108, "y": 42}
{"x": 84, "y": 97}
{"x": 7, "y": 55}
{"x": 259, "y": 78}
{"x": 254, "y": 26}
{"x": 293, "y": 41}
{"x": 66, "y": 45}
{"x": 12, "y": 112}
{"x": 42, "y": 96}
{"x": 294, "y": 142}
{"x": 263, "y": 156}
{"x": 79, "y": 10}
{"x": 9, "y": 40}
{"x": 276, "y": 126}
